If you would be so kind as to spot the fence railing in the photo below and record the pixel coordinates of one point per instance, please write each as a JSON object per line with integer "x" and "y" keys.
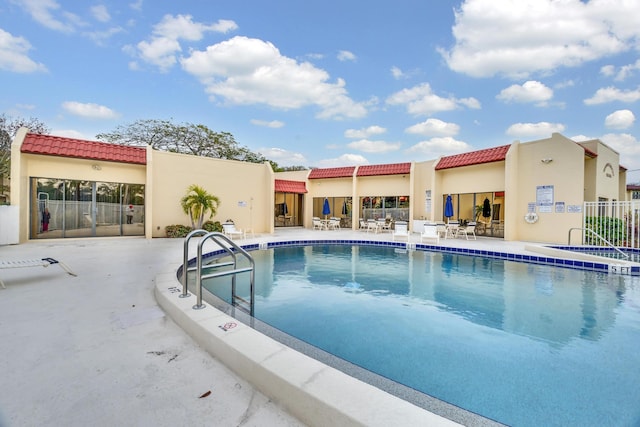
{"x": 617, "y": 222}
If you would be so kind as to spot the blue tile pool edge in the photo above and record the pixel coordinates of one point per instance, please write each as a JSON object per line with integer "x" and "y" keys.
{"x": 576, "y": 264}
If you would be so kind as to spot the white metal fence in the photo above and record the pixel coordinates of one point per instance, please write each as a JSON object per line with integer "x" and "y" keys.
{"x": 616, "y": 222}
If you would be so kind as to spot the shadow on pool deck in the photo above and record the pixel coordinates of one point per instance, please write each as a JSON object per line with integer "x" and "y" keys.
{"x": 98, "y": 349}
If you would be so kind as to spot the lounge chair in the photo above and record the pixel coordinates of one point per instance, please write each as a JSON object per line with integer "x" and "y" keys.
{"x": 430, "y": 233}
{"x": 401, "y": 230}
{"x": 230, "y": 230}
{"x": 43, "y": 262}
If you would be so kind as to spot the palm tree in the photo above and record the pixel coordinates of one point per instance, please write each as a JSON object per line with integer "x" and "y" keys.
{"x": 197, "y": 203}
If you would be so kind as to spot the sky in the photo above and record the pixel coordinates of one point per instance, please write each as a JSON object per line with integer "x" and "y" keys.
{"x": 332, "y": 83}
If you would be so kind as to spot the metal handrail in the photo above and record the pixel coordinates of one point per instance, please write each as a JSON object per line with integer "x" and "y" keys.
{"x": 220, "y": 238}
{"x": 597, "y": 235}
{"x": 185, "y": 260}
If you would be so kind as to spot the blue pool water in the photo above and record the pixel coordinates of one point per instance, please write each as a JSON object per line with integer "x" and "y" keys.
{"x": 523, "y": 344}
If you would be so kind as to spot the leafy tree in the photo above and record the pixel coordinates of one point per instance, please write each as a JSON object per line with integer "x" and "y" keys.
{"x": 186, "y": 138}
{"x": 197, "y": 203}
{"x": 8, "y": 128}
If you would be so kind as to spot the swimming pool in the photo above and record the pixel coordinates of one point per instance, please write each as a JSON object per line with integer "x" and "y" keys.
{"x": 519, "y": 343}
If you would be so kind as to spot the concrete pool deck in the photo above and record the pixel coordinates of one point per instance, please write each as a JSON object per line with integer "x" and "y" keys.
{"x": 98, "y": 348}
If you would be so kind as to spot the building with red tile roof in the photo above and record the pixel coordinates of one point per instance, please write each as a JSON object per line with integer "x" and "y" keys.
{"x": 49, "y": 145}
{"x": 494, "y": 154}
{"x": 88, "y": 184}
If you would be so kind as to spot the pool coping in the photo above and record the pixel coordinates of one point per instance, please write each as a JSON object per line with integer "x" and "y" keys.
{"x": 316, "y": 393}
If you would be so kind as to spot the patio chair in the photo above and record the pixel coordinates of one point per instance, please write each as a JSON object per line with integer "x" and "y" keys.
{"x": 372, "y": 225}
{"x": 43, "y": 262}
{"x": 383, "y": 225}
{"x": 317, "y": 224}
{"x": 229, "y": 229}
{"x": 363, "y": 225}
{"x": 452, "y": 229}
{"x": 441, "y": 228}
{"x": 430, "y": 233}
{"x": 468, "y": 230}
{"x": 333, "y": 224}
{"x": 401, "y": 230}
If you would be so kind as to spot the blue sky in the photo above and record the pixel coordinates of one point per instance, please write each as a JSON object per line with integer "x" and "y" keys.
{"x": 332, "y": 83}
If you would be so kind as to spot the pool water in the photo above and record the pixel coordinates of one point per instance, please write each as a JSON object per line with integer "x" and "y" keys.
{"x": 522, "y": 344}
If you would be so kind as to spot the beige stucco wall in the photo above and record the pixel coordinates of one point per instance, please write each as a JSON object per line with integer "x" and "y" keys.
{"x": 605, "y": 172}
{"x": 565, "y": 173}
{"x": 245, "y": 190}
{"x": 423, "y": 181}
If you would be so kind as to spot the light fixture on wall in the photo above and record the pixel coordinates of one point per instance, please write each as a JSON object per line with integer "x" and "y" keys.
{"x": 96, "y": 167}
{"x": 546, "y": 160}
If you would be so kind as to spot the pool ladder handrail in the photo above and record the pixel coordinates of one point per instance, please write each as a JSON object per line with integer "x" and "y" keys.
{"x": 233, "y": 249}
{"x": 598, "y": 236}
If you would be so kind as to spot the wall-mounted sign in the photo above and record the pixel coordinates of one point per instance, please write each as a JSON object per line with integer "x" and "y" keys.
{"x": 559, "y": 207}
{"x": 544, "y": 195}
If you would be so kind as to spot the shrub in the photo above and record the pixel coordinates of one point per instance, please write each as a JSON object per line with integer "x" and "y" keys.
{"x": 612, "y": 229}
{"x": 177, "y": 230}
{"x": 212, "y": 226}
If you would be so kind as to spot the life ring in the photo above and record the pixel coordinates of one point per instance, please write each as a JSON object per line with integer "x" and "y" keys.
{"x": 531, "y": 217}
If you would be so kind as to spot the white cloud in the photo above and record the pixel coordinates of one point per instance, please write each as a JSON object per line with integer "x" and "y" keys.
{"x": 530, "y": 91}
{"x": 365, "y": 132}
{"x": 162, "y": 48}
{"x": 100, "y": 13}
{"x": 534, "y": 130}
{"x": 623, "y": 72}
{"x": 270, "y": 124}
{"x": 137, "y": 5}
{"x": 627, "y": 145}
{"x": 283, "y": 157}
{"x": 14, "y": 55}
{"x": 608, "y": 70}
{"x": 440, "y": 146}
{"x": 520, "y": 37}
{"x": 610, "y": 94}
{"x": 344, "y": 160}
{"x": 434, "y": 127}
{"x": 368, "y": 146}
{"x": 345, "y": 55}
{"x": 47, "y": 13}
{"x": 420, "y": 100}
{"x": 397, "y": 73}
{"x": 89, "y": 110}
{"x": 71, "y": 133}
{"x": 245, "y": 71}
{"x": 621, "y": 119}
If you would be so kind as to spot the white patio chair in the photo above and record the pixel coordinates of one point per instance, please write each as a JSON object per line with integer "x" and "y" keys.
{"x": 372, "y": 225}
{"x": 401, "y": 230}
{"x": 317, "y": 224}
{"x": 430, "y": 233}
{"x": 229, "y": 229}
{"x": 468, "y": 230}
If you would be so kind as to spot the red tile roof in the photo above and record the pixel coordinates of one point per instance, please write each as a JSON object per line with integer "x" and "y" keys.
{"x": 345, "y": 172}
{"x": 80, "y": 149}
{"x": 588, "y": 152}
{"x": 285, "y": 186}
{"x": 389, "y": 169}
{"x": 478, "y": 157}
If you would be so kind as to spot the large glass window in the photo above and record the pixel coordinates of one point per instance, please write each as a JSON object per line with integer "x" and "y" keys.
{"x": 75, "y": 208}
{"x": 391, "y": 207}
